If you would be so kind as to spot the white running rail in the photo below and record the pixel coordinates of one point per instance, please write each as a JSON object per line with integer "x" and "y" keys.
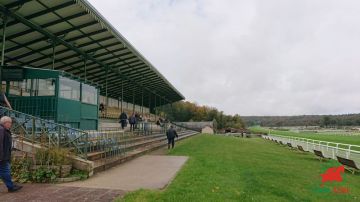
{"x": 329, "y": 149}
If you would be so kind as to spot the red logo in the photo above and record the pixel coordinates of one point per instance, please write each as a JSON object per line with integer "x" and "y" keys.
{"x": 332, "y": 174}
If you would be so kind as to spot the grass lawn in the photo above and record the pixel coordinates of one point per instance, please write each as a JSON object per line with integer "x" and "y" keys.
{"x": 326, "y": 137}
{"x": 243, "y": 169}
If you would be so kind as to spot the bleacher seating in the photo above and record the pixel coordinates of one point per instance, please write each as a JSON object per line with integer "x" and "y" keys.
{"x": 114, "y": 113}
{"x": 131, "y": 145}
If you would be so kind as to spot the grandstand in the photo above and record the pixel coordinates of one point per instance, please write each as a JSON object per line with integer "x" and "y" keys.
{"x": 59, "y": 61}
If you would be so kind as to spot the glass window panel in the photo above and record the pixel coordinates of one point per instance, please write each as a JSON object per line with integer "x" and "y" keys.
{"x": 69, "y": 89}
{"x": 15, "y": 88}
{"x": 89, "y": 94}
{"x": 45, "y": 87}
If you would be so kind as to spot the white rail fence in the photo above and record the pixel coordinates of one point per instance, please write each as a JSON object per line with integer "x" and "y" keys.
{"x": 329, "y": 149}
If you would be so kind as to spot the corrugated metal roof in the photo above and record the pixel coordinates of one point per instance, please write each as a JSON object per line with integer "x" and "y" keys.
{"x": 81, "y": 35}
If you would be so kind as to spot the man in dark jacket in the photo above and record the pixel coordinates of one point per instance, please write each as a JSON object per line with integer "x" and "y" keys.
{"x": 123, "y": 118}
{"x": 171, "y": 134}
{"x": 132, "y": 122}
{"x": 5, "y": 153}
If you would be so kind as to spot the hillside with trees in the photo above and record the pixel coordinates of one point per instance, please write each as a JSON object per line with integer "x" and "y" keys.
{"x": 304, "y": 120}
{"x": 184, "y": 111}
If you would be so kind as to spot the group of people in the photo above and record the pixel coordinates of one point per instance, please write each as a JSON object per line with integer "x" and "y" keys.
{"x": 133, "y": 120}
{"x": 171, "y": 133}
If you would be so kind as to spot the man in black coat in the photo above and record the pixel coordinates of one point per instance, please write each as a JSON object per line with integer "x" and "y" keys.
{"x": 123, "y": 118}
{"x": 5, "y": 153}
{"x": 132, "y": 122}
{"x": 171, "y": 134}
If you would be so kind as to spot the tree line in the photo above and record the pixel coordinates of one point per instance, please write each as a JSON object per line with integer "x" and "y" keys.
{"x": 304, "y": 120}
{"x": 184, "y": 111}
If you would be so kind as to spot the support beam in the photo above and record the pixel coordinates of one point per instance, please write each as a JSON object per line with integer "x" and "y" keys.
{"x": 85, "y": 61}
{"x": 109, "y": 64}
{"x": 62, "y": 51}
{"x": 150, "y": 105}
{"x": 37, "y": 14}
{"x": 28, "y": 31}
{"x": 16, "y": 3}
{"x": 142, "y": 102}
{"x": 4, "y": 17}
{"x": 122, "y": 95}
{"x": 53, "y": 54}
{"x": 106, "y": 94}
{"x": 3, "y": 46}
{"x": 46, "y": 37}
{"x": 133, "y": 102}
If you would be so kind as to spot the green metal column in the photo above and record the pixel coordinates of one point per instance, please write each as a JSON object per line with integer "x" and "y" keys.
{"x": 57, "y": 94}
{"x": 85, "y": 61}
{"x": 172, "y": 110}
{"x": 53, "y": 54}
{"x": 133, "y": 100}
{"x": 149, "y": 105}
{"x": 155, "y": 107}
{"x": 106, "y": 92}
{"x": 122, "y": 94}
{"x": 161, "y": 108}
{"x": 150, "y": 113}
{"x": 3, "y": 47}
{"x": 142, "y": 102}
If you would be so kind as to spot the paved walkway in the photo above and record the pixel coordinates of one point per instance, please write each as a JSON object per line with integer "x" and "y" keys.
{"x": 50, "y": 193}
{"x": 148, "y": 172}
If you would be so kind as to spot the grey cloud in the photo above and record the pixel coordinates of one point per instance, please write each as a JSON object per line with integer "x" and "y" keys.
{"x": 251, "y": 57}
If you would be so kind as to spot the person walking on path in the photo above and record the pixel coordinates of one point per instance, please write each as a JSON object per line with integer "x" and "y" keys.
{"x": 171, "y": 134}
{"x": 123, "y": 119}
{"x": 5, "y": 154}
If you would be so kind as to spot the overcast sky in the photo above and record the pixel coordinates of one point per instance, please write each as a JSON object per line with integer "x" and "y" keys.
{"x": 251, "y": 57}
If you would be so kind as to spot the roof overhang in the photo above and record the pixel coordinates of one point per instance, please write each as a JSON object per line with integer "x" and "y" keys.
{"x": 79, "y": 38}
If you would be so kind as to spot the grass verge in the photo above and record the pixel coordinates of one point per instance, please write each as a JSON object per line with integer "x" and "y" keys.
{"x": 241, "y": 169}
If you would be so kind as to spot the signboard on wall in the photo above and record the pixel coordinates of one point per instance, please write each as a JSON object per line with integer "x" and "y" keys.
{"x": 12, "y": 73}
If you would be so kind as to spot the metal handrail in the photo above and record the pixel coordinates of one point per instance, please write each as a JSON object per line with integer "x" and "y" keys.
{"x": 46, "y": 132}
{"x": 85, "y": 144}
{"x": 314, "y": 140}
{"x": 333, "y": 147}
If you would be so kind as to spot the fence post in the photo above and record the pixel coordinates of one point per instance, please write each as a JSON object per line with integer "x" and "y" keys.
{"x": 348, "y": 153}
{"x": 337, "y": 148}
{"x": 33, "y": 130}
{"x": 86, "y": 144}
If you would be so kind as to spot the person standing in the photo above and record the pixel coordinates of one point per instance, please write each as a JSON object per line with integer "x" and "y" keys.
{"x": 4, "y": 103}
{"x": 5, "y": 154}
{"x": 132, "y": 122}
{"x": 171, "y": 134}
{"x": 123, "y": 119}
{"x": 102, "y": 109}
{"x": 146, "y": 126}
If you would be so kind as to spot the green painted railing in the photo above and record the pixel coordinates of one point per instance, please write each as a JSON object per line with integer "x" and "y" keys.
{"x": 47, "y": 133}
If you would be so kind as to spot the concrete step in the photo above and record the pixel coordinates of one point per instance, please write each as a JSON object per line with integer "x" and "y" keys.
{"x": 134, "y": 144}
{"x": 103, "y": 164}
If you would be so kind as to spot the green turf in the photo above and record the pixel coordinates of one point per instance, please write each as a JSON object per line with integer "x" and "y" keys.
{"x": 247, "y": 169}
{"x": 355, "y": 140}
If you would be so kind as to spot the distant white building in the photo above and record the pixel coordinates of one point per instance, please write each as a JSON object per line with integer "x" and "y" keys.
{"x": 207, "y": 130}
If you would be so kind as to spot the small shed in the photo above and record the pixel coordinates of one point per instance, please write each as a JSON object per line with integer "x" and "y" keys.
{"x": 207, "y": 130}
